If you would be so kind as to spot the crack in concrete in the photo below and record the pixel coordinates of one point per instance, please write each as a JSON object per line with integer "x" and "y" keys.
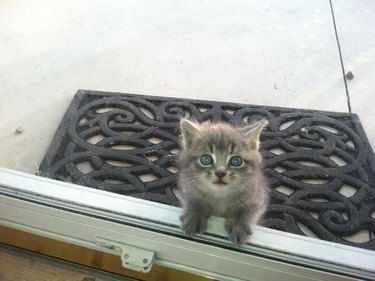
{"x": 341, "y": 59}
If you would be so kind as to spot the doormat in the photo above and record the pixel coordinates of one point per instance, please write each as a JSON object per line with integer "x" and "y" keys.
{"x": 319, "y": 165}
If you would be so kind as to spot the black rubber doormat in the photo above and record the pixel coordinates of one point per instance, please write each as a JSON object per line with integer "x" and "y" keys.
{"x": 320, "y": 165}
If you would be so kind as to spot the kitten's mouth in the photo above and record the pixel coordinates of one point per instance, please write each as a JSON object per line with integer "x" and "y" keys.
{"x": 220, "y": 182}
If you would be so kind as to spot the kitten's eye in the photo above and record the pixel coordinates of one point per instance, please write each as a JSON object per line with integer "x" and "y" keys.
{"x": 206, "y": 160}
{"x": 235, "y": 161}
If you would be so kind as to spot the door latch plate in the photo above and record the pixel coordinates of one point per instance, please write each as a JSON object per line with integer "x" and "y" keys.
{"x": 133, "y": 258}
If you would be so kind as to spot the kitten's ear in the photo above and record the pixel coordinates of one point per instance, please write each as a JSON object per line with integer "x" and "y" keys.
{"x": 190, "y": 131}
{"x": 252, "y": 132}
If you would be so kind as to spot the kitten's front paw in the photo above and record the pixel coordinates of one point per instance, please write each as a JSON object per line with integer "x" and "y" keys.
{"x": 238, "y": 232}
{"x": 192, "y": 224}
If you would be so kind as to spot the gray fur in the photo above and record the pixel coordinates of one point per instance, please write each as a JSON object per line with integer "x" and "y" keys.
{"x": 241, "y": 196}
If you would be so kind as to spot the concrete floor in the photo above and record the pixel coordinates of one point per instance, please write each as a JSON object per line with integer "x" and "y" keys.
{"x": 258, "y": 52}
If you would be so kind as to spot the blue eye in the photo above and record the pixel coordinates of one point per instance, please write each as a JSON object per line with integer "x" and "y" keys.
{"x": 235, "y": 161}
{"x": 206, "y": 160}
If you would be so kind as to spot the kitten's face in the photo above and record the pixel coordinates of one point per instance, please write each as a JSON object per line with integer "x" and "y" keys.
{"x": 219, "y": 158}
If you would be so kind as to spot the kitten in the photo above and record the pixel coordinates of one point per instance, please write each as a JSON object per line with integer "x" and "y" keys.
{"x": 221, "y": 175}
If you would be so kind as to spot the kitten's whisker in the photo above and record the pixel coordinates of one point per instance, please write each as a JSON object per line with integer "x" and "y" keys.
{"x": 250, "y": 186}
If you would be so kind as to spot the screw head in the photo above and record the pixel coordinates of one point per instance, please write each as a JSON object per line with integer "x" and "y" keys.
{"x": 126, "y": 256}
{"x": 145, "y": 260}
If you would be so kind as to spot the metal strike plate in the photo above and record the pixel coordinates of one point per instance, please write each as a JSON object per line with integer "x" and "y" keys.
{"x": 133, "y": 258}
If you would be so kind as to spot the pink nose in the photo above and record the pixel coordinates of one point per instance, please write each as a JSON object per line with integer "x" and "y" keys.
{"x": 220, "y": 174}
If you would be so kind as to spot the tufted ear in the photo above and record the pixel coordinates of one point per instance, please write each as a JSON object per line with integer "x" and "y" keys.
{"x": 190, "y": 131}
{"x": 252, "y": 132}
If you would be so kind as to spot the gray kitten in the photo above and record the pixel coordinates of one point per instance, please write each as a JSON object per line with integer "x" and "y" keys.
{"x": 221, "y": 175}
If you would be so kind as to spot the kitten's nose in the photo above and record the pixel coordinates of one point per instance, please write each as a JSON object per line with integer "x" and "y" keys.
{"x": 220, "y": 174}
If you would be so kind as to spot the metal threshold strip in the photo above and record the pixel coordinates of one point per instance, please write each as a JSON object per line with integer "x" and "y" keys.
{"x": 95, "y": 219}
